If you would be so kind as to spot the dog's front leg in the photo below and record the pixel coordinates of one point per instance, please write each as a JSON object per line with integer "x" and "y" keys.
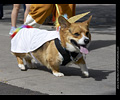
{"x": 53, "y": 62}
{"x": 84, "y": 69}
{"x": 55, "y": 71}
{"x": 82, "y": 64}
{"x": 54, "y": 66}
{"x": 58, "y": 74}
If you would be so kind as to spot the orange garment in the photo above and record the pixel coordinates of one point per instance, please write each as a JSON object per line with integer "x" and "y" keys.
{"x": 39, "y": 12}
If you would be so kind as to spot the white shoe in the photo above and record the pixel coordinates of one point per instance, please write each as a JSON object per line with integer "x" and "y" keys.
{"x": 12, "y": 30}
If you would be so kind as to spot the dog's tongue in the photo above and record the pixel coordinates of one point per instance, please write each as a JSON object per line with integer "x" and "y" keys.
{"x": 84, "y": 50}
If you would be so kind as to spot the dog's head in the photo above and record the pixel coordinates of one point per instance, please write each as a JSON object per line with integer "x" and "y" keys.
{"x": 75, "y": 36}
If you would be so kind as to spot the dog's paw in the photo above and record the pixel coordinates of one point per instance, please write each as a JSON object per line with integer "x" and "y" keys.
{"x": 58, "y": 74}
{"x": 86, "y": 73}
{"x": 22, "y": 67}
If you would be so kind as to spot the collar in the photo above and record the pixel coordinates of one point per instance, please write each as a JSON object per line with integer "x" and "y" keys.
{"x": 68, "y": 56}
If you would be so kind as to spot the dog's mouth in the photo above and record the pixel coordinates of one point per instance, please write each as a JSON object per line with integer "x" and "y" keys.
{"x": 82, "y": 48}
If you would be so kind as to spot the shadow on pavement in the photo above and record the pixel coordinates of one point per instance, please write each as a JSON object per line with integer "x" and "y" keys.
{"x": 98, "y": 75}
{"x": 6, "y": 89}
{"x": 96, "y": 44}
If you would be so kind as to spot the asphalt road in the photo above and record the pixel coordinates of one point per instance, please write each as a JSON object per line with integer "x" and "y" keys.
{"x": 6, "y": 89}
{"x": 101, "y": 60}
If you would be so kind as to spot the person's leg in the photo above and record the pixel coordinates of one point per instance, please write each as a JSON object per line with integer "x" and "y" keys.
{"x": 26, "y": 11}
{"x": 14, "y": 14}
{"x": 39, "y": 12}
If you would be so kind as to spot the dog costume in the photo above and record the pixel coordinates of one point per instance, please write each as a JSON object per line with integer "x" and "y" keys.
{"x": 28, "y": 39}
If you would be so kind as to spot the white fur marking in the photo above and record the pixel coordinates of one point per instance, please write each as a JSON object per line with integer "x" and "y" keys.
{"x": 61, "y": 58}
{"x": 21, "y": 66}
{"x": 70, "y": 47}
{"x": 81, "y": 41}
{"x": 58, "y": 74}
{"x": 84, "y": 69}
{"x": 86, "y": 73}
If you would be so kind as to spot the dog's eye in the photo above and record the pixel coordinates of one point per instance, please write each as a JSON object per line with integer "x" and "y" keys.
{"x": 87, "y": 33}
{"x": 77, "y": 34}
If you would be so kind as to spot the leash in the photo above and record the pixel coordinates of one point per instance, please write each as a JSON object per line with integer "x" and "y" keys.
{"x": 57, "y": 9}
{"x": 56, "y": 22}
{"x": 68, "y": 56}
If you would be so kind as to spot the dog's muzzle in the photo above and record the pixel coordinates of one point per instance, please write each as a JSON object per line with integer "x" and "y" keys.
{"x": 81, "y": 47}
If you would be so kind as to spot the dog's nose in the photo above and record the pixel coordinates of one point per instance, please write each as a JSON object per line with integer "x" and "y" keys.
{"x": 86, "y": 41}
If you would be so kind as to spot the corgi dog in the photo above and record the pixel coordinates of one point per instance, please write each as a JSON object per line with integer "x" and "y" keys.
{"x": 74, "y": 39}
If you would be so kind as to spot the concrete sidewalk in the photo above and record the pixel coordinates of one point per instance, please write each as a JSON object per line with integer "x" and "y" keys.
{"x": 101, "y": 62}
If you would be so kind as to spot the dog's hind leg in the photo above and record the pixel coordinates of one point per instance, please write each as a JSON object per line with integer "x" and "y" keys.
{"x": 30, "y": 61}
{"x": 21, "y": 64}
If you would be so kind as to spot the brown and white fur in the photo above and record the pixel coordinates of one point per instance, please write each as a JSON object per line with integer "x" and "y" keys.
{"x": 48, "y": 54}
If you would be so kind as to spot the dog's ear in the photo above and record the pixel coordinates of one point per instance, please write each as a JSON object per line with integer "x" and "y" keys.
{"x": 88, "y": 21}
{"x": 63, "y": 22}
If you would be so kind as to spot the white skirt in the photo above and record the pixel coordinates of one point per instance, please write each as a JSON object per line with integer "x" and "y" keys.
{"x": 30, "y": 39}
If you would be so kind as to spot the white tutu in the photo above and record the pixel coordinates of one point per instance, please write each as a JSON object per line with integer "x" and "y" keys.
{"x": 29, "y": 39}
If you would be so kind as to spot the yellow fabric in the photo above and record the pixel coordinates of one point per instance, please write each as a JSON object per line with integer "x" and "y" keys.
{"x": 77, "y": 17}
{"x": 57, "y": 9}
{"x": 39, "y": 12}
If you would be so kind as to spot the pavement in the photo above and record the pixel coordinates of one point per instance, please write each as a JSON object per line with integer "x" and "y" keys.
{"x": 101, "y": 60}
{"x": 6, "y": 89}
